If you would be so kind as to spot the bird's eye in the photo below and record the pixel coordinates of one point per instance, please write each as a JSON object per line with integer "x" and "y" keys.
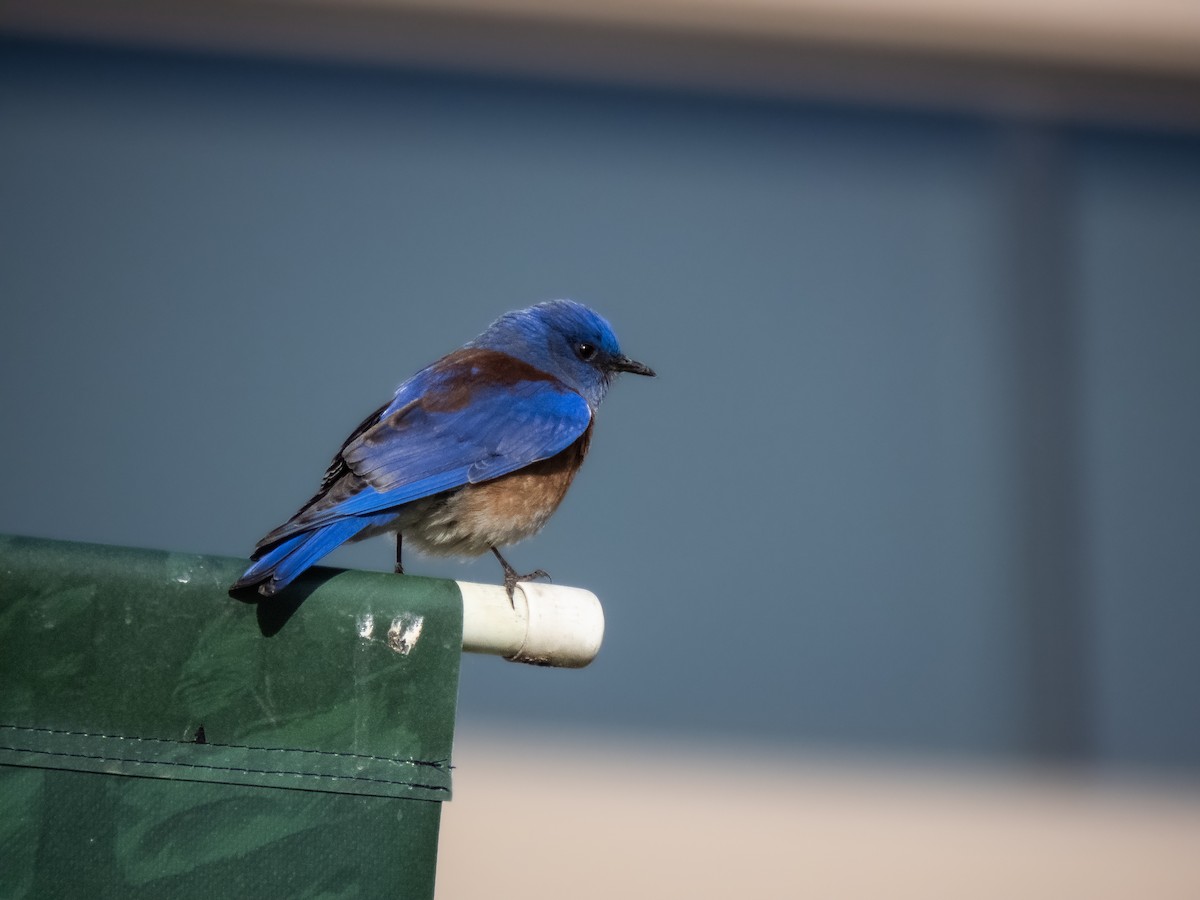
{"x": 586, "y": 351}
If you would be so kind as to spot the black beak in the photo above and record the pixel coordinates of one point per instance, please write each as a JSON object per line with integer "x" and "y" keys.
{"x": 625, "y": 364}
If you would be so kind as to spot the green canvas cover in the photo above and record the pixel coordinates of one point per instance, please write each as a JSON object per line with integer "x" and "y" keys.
{"x": 159, "y": 739}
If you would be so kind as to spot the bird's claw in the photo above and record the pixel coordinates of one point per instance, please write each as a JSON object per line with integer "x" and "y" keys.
{"x": 511, "y": 578}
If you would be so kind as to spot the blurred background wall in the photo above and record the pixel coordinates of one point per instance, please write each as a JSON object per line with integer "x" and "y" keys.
{"x": 918, "y": 476}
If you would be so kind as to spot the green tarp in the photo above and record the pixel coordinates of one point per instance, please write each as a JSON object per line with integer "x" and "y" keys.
{"x": 159, "y": 739}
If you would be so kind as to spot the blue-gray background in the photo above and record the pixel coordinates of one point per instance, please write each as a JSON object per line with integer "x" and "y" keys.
{"x": 919, "y": 471}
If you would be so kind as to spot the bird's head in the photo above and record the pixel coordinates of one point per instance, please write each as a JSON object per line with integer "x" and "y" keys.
{"x": 567, "y": 340}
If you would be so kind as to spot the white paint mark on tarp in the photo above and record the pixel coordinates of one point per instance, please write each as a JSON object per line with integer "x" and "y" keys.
{"x": 366, "y": 626}
{"x": 404, "y": 633}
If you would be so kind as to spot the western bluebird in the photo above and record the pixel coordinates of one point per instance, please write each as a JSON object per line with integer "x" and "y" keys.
{"x": 472, "y": 453}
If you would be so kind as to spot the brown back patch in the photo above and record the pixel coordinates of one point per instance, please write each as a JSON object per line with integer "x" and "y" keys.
{"x": 464, "y": 371}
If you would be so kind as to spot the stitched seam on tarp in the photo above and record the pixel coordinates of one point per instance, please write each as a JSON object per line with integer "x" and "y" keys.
{"x": 435, "y": 764}
{"x": 212, "y": 768}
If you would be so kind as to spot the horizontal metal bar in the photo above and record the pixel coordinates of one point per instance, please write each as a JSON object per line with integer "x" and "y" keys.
{"x": 1138, "y": 63}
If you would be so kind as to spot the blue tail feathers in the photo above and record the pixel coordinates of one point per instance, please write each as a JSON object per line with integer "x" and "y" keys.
{"x": 280, "y": 565}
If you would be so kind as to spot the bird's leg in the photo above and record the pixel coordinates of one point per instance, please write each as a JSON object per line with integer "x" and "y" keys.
{"x": 399, "y": 543}
{"x": 511, "y": 577}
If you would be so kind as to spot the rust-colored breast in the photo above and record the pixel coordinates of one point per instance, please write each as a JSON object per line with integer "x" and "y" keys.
{"x": 537, "y": 487}
{"x": 502, "y": 511}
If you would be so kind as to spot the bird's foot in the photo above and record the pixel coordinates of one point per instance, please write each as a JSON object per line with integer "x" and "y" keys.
{"x": 511, "y": 577}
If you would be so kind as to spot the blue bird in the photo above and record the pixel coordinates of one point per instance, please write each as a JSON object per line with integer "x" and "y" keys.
{"x": 473, "y": 453}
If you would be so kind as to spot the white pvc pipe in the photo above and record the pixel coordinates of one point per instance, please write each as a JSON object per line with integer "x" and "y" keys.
{"x": 543, "y": 625}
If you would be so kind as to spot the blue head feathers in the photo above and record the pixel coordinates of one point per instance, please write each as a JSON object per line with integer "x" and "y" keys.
{"x": 565, "y": 339}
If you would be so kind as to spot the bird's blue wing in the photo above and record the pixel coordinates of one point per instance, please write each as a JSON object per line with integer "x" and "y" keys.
{"x": 417, "y": 451}
{"x": 474, "y": 416}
